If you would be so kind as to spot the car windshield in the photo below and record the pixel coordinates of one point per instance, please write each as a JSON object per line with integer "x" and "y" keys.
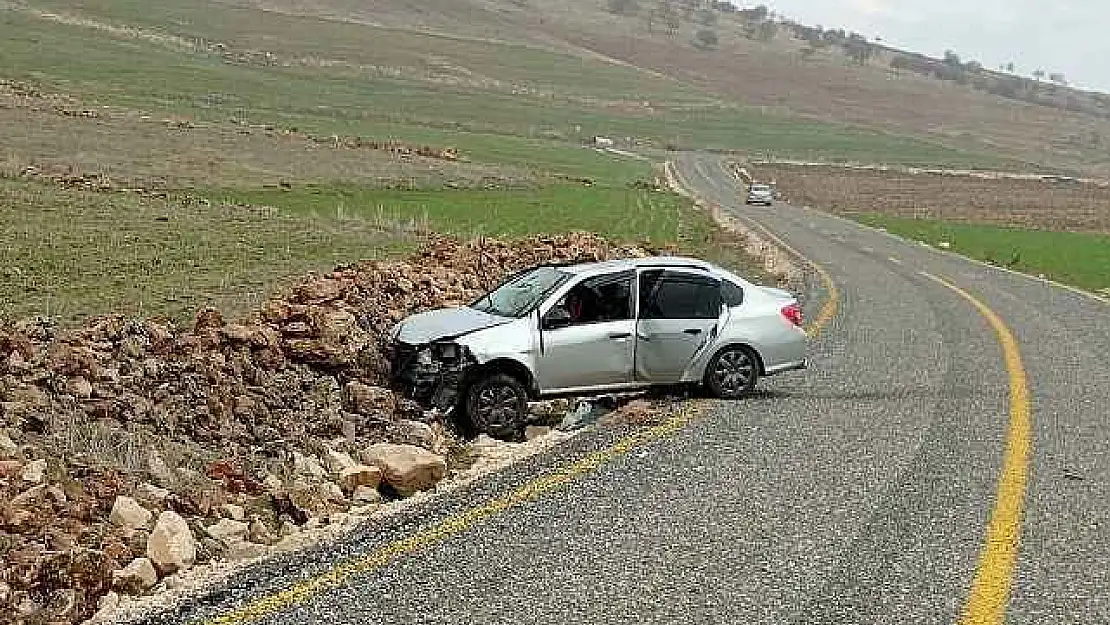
{"x": 760, "y": 187}
{"x": 521, "y": 294}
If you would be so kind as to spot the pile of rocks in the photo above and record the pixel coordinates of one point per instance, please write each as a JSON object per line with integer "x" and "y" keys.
{"x": 240, "y": 433}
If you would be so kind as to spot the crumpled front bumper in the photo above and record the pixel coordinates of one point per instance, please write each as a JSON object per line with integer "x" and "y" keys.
{"x": 421, "y": 373}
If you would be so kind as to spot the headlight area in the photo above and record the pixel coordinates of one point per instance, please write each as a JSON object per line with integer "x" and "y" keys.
{"x": 431, "y": 374}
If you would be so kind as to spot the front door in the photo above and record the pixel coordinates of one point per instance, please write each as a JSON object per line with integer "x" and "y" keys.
{"x": 678, "y": 316}
{"x": 587, "y": 339}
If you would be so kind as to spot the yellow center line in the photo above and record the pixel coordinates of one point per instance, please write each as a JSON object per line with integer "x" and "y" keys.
{"x": 994, "y": 575}
{"x": 306, "y": 590}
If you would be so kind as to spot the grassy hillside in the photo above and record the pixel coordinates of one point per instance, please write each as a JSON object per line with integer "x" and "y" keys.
{"x": 497, "y": 102}
{"x": 71, "y": 254}
{"x": 777, "y": 74}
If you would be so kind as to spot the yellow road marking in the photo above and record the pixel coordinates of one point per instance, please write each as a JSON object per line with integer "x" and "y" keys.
{"x": 306, "y": 590}
{"x": 990, "y": 590}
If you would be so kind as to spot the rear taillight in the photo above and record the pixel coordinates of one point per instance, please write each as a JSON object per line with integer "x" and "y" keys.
{"x": 793, "y": 313}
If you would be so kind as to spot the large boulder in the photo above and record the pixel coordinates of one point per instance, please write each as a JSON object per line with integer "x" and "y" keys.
{"x": 368, "y": 400}
{"x": 406, "y": 468}
{"x": 135, "y": 577}
{"x": 129, "y": 515}
{"x": 336, "y": 461}
{"x": 34, "y": 472}
{"x": 171, "y": 546}
{"x": 359, "y": 475}
{"x": 228, "y": 531}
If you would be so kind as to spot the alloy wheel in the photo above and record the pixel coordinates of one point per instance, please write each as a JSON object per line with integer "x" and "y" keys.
{"x": 733, "y": 372}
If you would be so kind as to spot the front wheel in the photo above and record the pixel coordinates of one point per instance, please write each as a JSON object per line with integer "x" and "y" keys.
{"x": 732, "y": 373}
{"x": 498, "y": 405}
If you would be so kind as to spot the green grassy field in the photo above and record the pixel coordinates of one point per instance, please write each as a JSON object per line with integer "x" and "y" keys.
{"x": 622, "y": 213}
{"x": 1079, "y": 259}
{"x": 73, "y": 254}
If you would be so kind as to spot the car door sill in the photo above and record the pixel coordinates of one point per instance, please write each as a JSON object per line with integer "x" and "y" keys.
{"x": 589, "y": 390}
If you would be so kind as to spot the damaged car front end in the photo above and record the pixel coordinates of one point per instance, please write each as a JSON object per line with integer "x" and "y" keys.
{"x": 438, "y": 357}
{"x": 431, "y": 374}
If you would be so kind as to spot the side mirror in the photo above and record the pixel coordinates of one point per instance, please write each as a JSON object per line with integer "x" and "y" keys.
{"x": 557, "y": 317}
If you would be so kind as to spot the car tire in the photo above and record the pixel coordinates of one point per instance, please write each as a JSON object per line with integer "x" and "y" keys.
{"x": 498, "y": 405}
{"x": 732, "y": 373}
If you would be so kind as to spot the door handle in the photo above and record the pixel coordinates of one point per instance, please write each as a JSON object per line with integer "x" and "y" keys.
{"x": 616, "y": 336}
{"x": 694, "y": 331}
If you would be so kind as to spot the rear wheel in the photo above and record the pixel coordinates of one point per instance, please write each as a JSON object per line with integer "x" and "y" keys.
{"x": 732, "y": 373}
{"x": 498, "y": 405}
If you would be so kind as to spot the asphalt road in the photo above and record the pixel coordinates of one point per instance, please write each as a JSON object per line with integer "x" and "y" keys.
{"x": 859, "y": 491}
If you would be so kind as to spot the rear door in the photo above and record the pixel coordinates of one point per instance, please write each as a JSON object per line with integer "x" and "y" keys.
{"x": 678, "y": 313}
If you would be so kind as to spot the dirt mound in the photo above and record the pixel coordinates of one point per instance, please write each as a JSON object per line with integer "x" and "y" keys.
{"x": 254, "y": 421}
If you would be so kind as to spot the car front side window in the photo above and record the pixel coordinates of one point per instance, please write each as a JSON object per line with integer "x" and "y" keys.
{"x": 598, "y": 299}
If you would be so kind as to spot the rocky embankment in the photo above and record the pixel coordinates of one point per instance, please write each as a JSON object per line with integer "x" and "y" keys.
{"x": 132, "y": 450}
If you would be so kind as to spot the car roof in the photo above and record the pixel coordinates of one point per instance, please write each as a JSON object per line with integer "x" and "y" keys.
{"x": 682, "y": 262}
{"x": 634, "y": 263}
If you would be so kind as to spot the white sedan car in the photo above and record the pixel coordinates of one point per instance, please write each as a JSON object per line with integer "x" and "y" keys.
{"x": 593, "y": 328}
{"x": 761, "y": 194}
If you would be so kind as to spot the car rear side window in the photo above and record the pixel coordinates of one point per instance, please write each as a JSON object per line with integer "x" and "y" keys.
{"x": 677, "y": 295}
{"x": 731, "y": 293}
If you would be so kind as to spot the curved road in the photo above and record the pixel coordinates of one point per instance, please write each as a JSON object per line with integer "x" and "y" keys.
{"x": 861, "y": 491}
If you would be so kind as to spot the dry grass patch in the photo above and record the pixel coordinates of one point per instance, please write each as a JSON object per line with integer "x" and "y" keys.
{"x": 58, "y": 136}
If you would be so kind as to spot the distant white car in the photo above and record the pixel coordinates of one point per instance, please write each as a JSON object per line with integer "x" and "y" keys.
{"x": 761, "y": 194}
{"x": 593, "y": 328}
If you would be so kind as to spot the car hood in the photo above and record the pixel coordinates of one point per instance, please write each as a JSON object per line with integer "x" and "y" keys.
{"x": 445, "y": 324}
